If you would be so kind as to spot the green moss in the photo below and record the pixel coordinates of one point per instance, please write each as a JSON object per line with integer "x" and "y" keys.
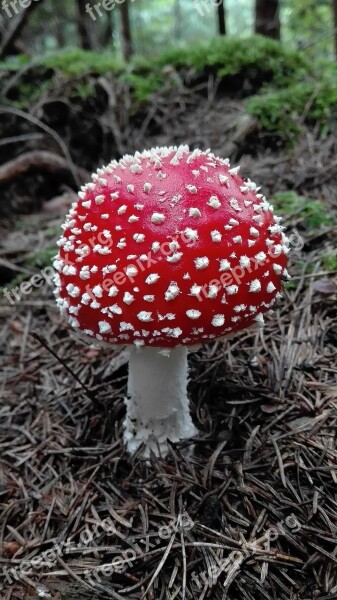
{"x": 142, "y": 86}
{"x": 329, "y": 261}
{"x": 14, "y": 63}
{"x": 28, "y": 93}
{"x": 283, "y": 111}
{"x": 231, "y": 56}
{"x": 42, "y": 258}
{"x": 313, "y": 211}
{"x": 256, "y": 57}
{"x": 77, "y": 62}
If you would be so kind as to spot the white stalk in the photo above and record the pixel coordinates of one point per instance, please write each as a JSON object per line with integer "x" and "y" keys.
{"x": 157, "y": 407}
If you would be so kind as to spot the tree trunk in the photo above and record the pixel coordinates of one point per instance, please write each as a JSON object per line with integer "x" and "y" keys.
{"x": 334, "y": 10}
{"x": 108, "y": 36}
{"x": 14, "y": 32}
{"x": 177, "y": 20}
{"x": 126, "y": 30}
{"x": 82, "y": 24}
{"x": 267, "y": 18}
{"x": 221, "y": 18}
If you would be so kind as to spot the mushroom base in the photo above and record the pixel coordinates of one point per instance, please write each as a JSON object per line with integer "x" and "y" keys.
{"x": 157, "y": 407}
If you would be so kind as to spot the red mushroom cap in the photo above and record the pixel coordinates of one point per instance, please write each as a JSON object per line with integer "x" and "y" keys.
{"x": 169, "y": 247}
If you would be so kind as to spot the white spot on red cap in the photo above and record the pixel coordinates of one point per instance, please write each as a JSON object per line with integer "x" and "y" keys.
{"x": 115, "y": 309}
{"x": 212, "y": 291}
{"x": 155, "y": 247}
{"x": 97, "y": 291}
{"x": 244, "y": 261}
{"x": 218, "y": 320}
{"x": 191, "y": 234}
{"x": 255, "y": 286}
{"x": 128, "y": 298}
{"x": 113, "y": 291}
{"x": 234, "y": 170}
{"x": 136, "y": 168}
{"x": 223, "y": 179}
{"x": 254, "y": 232}
{"x": 260, "y": 257}
{"x": 139, "y": 237}
{"x": 195, "y": 290}
{"x": 194, "y": 212}
{"x": 192, "y": 189}
{"x": 172, "y": 291}
{"x": 147, "y": 188}
{"x": 145, "y": 316}
{"x": 131, "y": 270}
{"x": 175, "y": 257}
{"x": 216, "y": 236}
{"x": 104, "y": 326}
{"x": 157, "y": 218}
{"x": 225, "y": 265}
{"x": 193, "y": 313}
{"x": 201, "y": 262}
{"x": 153, "y": 278}
{"x": 235, "y": 204}
{"x": 232, "y": 289}
{"x": 214, "y": 202}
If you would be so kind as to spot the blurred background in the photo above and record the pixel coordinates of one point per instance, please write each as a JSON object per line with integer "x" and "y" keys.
{"x": 82, "y": 82}
{"x": 146, "y": 26}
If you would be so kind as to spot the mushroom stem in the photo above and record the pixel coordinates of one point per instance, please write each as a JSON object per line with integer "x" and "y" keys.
{"x": 157, "y": 407}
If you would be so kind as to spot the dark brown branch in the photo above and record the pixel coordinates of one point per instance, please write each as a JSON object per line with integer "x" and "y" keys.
{"x": 38, "y": 159}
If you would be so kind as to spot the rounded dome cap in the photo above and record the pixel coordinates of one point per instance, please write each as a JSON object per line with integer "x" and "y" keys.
{"x": 169, "y": 247}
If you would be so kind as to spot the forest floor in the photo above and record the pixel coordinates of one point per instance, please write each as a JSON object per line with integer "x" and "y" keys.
{"x": 249, "y": 509}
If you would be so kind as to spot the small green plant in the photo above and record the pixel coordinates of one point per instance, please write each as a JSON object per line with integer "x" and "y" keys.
{"x": 142, "y": 86}
{"x": 329, "y": 261}
{"x": 42, "y": 258}
{"x": 28, "y": 93}
{"x": 313, "y": 211}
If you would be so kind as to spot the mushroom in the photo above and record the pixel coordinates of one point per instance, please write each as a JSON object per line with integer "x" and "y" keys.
{"x": 163, "y": 251}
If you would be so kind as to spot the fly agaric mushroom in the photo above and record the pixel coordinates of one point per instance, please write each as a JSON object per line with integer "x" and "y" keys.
{"x": 165, "y": 250}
